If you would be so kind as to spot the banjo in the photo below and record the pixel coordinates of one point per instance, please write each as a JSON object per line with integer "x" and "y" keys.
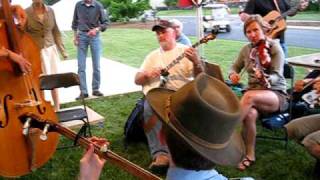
{"x": 164, "y": 76}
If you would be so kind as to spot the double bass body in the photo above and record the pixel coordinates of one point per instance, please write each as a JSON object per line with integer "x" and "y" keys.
{"x": 20, "y": 97}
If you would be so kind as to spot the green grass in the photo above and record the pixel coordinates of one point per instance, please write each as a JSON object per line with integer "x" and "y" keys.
{"x": 190, "y": 12}
{"x": 130, "y": 46}
{"x": 306, "y": 15}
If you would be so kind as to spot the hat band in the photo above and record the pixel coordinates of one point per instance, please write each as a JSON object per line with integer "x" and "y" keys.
{"x": 187, "y": 133}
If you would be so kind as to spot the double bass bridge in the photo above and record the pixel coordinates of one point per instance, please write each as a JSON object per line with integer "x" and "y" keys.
{"x": 27, "y": 103}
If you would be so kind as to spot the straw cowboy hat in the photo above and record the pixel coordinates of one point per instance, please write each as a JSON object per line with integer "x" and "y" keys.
{"x": 205, "y": 113}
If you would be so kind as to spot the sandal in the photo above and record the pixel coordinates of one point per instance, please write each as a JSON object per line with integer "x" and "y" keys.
{"x": 245, "y": 163}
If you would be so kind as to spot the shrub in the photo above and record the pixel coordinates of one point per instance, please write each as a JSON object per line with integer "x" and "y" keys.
{"x": 124, "y": 10}
{"x": 314, "y": 5}
{"x": 171, "y": 3}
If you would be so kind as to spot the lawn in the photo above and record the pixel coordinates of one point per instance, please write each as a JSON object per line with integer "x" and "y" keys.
{"x": 130, "y": 46}
{"x": 306, "y": 15}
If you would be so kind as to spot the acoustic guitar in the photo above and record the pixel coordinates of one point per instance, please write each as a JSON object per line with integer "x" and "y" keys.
{"x": 277, "y": 21}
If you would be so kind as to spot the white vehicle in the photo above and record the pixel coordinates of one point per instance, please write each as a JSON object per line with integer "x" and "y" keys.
{"x": 218, "y": 20}
{"x": 148, "y": 15}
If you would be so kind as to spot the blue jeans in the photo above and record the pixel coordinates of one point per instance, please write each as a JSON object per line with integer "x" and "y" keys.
{"x": 285, "y": 49}
{"x": 155, "y": 146}
{"x": 95, "y": 48}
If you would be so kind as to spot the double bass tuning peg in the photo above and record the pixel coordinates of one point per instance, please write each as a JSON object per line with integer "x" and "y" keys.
{"x": 26, "y": 126}
{"x": 44, "y": 133}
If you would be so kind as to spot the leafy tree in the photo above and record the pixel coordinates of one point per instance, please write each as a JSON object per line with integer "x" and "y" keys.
{"x": 123, "y": 10}
{"x": 314, "y": 5}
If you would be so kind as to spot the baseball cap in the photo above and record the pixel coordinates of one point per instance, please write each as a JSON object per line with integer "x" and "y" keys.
{"x": 163, "y": 24}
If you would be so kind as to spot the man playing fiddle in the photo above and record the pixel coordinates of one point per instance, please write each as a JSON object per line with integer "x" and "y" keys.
{"x": 313, "y": 78}
{"x": 266, "y": 84}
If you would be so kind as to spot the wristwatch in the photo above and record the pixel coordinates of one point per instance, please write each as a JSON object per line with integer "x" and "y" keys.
{"x": 97, "y": 29}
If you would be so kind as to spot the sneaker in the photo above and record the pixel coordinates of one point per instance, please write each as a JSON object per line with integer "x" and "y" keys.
{"x": 82, "y": 96}
{"x": 160, "y": 164}
{"x": 97, "y": 93}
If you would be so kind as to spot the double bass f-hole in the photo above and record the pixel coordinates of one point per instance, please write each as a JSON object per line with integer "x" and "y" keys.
{"x": 4, "y": 121}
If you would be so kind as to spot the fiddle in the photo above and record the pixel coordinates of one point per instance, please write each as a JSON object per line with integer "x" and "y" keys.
{"x": 261, "y": 60}
{"x": 263, "y": 48}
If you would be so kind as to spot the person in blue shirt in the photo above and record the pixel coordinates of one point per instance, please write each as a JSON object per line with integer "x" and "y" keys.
{"x": 181, "y": 37}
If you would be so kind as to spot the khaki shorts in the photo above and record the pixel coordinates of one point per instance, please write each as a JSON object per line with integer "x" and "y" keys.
{"x": 283, "y": 101}
{"x": 305, "y": 130}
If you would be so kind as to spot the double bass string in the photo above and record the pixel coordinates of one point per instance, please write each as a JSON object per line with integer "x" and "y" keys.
{"x": 27, "y": 83}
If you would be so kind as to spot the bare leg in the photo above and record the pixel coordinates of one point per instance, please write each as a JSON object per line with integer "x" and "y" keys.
{"x": 250, "y": 133}
{"x": 315, "y": 151}
{"x": 55, "y": 97}
{"x": 252, "y": 101}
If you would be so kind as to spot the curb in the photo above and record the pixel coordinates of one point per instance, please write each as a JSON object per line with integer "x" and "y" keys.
{"x": 304, "y": 27}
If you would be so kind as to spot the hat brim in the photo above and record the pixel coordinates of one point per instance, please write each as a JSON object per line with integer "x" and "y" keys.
{"x": 231, "y": 154}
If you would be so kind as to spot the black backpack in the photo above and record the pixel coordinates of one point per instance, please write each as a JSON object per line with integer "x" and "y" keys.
{"x": 133, "y": 129}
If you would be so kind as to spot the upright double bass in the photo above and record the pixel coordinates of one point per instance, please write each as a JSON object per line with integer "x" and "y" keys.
{"x": 28, "y": 124}
{"x": 21, "y": 149}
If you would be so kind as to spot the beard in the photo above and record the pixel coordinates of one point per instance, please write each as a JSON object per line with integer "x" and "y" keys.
{"x": 165, "y": 45}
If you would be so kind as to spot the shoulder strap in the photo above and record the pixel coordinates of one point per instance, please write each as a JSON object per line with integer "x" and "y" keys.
{"x": 277, "y": 5}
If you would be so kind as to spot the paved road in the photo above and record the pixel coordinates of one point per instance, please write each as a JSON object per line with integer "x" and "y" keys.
{"x": 294, "y": 37}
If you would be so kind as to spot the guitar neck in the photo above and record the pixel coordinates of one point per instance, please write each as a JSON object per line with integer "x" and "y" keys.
{"x": 109, "y": 155}
{"x": 292, "y": 10}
